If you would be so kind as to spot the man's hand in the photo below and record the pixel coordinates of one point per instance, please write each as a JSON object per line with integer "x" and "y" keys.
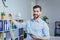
{"x": 38, "y": 38}
{"x": 10, "y": 16}
{"x": 34, "y": 37}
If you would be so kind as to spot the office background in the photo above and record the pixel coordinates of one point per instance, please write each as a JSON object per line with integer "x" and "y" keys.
{"x": 50, "y": 8}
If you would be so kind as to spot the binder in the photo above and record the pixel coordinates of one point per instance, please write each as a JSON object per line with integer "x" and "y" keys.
{"x": 5, "y": 23}
{"x": 1, "y": 25}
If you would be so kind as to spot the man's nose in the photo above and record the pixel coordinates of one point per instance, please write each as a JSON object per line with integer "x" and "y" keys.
{"x": 35, "y": 13}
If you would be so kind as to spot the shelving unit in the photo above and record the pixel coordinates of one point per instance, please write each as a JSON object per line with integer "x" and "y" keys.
{"x": 4, "y": 29}
{"x": 9, "y": 31}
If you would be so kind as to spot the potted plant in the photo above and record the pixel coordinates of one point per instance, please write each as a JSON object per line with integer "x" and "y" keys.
{"x": 3, "y": 15}
{"x": 45, "y": 18}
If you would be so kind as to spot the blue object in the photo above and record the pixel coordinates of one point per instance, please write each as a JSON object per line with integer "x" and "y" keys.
{"x": 4, "y": 38}
{"x": 1, "y": 25}
{"x": 16, "y": 39}
{"x": 5, "y": 25}
{"x": 20, "y": 32}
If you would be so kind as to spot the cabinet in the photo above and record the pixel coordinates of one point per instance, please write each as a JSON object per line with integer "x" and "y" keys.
{"x": 57, "y": 28}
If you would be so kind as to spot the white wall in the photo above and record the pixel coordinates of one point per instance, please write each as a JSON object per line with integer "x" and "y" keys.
{"x": 33, "y": 3}
{"x": 16, "y": 6}
{"x": 50, "y": 8}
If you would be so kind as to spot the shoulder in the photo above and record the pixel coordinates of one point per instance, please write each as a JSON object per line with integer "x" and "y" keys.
{"x": 30, "y": 20}
{"x": 44, "y": 23}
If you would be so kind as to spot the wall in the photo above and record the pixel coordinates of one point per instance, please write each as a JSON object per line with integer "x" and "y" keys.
{"x": 50, "y": 8}
{"x": 17, "y": 6}
{"x": 33, "y": 3}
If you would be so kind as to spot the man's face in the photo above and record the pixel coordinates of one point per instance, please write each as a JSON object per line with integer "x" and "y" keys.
{"x": 36, "y": 13}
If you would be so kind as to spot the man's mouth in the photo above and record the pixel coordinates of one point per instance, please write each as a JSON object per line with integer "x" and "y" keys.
{"x": 35, "y": 14}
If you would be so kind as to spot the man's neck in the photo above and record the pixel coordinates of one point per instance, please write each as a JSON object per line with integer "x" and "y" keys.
{"x": 36, "y": 18}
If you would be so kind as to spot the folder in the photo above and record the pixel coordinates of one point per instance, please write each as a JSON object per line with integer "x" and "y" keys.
{"x": 1, "y": 25}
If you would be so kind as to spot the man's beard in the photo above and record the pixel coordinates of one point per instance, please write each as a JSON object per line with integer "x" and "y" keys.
{"x": 35, "y": 16}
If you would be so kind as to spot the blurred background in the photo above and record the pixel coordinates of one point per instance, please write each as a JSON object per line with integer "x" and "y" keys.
{"x": 23, "y": 9}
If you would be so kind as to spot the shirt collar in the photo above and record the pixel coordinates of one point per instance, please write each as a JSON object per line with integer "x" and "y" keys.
{"x": 37, "y": 20}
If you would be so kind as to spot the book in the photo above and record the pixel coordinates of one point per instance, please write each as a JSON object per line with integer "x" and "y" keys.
{"x": 1, "y": 25}
{"x": 5, "y": 23}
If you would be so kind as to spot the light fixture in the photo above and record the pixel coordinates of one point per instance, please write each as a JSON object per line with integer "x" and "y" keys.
{"x": 3, "y": 1}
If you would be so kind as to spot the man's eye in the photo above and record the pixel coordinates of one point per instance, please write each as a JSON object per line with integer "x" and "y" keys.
{"x": 37, "y": 11}
{"x": 34, "y": 11}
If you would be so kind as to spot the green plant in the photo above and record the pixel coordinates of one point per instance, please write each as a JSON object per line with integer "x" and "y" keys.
{"x": 25, "y": 34}
{"x": 44, "y": 18}
{"x": 2, "y": 13}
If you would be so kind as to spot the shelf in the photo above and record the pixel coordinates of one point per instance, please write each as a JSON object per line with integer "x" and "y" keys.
{"x": 13, "y": 29}
{"x": 1, "y": 31}
{"x": 9, "y": 31}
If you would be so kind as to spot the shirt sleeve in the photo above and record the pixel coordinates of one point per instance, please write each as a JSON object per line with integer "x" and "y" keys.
{"x": 46, "y": 30}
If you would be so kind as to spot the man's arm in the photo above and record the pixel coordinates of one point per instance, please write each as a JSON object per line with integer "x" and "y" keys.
{"x": 18, "y": 25}
{"x": 11, "y": 18}
{"x": 38, "y": 38}
{"x": 46, "y": 34}
{"x": 15, "y": 22}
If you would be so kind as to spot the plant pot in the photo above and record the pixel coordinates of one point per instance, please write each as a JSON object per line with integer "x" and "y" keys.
{"x": 3, "y": 17}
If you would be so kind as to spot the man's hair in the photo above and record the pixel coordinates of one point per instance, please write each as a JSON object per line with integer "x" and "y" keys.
{"x": 37, "y": 6}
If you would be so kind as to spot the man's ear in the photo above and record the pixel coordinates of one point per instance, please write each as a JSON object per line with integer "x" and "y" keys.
{"x": 40, "y": 13}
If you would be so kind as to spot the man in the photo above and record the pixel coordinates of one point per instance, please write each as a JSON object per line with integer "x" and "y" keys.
{"x": 36, "y": 28}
